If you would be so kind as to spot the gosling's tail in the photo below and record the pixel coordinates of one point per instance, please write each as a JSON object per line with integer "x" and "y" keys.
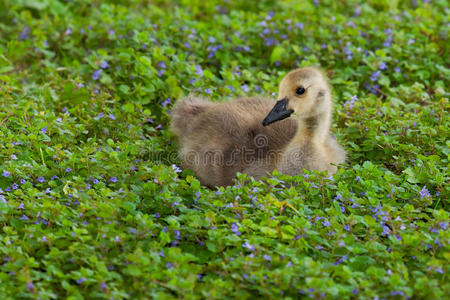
{"x": 184, "y": 111}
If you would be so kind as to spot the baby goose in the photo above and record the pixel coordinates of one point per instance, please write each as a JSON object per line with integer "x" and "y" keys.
{"x": 217, "y": 140}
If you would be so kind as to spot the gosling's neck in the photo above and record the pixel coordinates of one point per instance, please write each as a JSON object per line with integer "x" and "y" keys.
{"x": 314, "y": 128}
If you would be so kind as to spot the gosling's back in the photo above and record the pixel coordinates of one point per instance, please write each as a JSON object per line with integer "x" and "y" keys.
{"x": 224, "y": 138}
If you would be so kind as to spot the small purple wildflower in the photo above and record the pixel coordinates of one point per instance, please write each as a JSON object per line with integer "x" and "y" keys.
{"x": 81, "y": 280}
{"x": 424, "y": 193}
{"x": 375, "y": 76}
{"x": 68, "y": 170}
{"x": 326, "y": 223}
{"x": 113, "y": 179}
{"x": 267, "y": 257}
{"x": 13, "y": 156}
{"x": 166, "y": 102}
{"x": 162, "y": 65}
{"x": 248, "y": 246}
{"x": 117, "y": 239}
{"x": 208, "y": 91}
{"x": 104, "y": 65}
{"x": 397, "y": 293}
{"x": 382, "y": 66}
{"x": 112, "y": 117}
{"x": 199, "y": 70}
{"x": 235, "y": 229}
{"x": 97, "y": 74}
{"x": 386, "y": 230}
{"x": 15, "y": 186}
{"x": 40, "y": 179}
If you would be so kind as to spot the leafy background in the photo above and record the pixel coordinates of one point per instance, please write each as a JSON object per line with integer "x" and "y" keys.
{"x": 93, "y": 205}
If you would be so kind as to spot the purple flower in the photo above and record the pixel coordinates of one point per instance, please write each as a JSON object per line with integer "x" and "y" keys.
{"x": 25, "y": 33}
{"x": 24, "y": 218}
{"x": 166, "y": 102}
{"x": 326, "y": 223}
{"x": 299, "y": 25}
{"x": 95, "y": 181}
{"x": 424, "y": 193}
{"x": 382, "y": 66}
{"x": 162, "y": 65}
{"x": 15, "y": 186}
{"x": 40, "y": 179}
{"x": 375, "y": 75}
{"x": 44, "y": 239}
{"x": 235, "y": 229}
{"x": 103, "y": 286}
{"x": 245, "y": 88}
{"x": 68, "y": 31}
{"x": 112, "y": 117}
{"x": 97, "y": 74}
{"x": 68, "y": 170}
{"x": 199, "y": 70}
{"x": 117, "y": 239}
{"x": 395, "y": 293}
{"x": 386, "y": 230}
{"x": 44, "y": 129}
{"x": 350, "y": 103}
{"x": 100, "y": 115}
{"x": 267, "y": 257}
{"x": 30, "y": 285}
{"x": 113, "y": 179}
{"x": 208, "y": 91}
{"x": 104, "y": 65}
{"x": 347, "y": 227}
{"x": 13, "y": 156}
{"x": 81, "y": 280}
{"x": 157, "y": 215}
{"x": 169, "y": 265}
{"x": 248, "y": 246}
{"x": 436, "y": 241}
{"x": 6, "y": 173}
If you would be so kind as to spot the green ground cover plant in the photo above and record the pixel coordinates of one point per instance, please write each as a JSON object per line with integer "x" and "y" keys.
{"x": 93, "y": 203}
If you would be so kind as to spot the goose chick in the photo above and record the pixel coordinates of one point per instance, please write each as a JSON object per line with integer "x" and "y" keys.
{"x": 305, "y": 94}
{"x": 217, "y": 140}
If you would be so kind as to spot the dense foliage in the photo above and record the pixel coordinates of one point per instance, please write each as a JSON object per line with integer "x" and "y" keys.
{"x": 94, "y": 205}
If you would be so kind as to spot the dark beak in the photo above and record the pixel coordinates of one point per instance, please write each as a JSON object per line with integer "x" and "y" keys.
{"x": 278, "y": 112}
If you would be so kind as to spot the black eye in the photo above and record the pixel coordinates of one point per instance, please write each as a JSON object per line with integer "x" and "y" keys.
{"x": 300, "y": 91}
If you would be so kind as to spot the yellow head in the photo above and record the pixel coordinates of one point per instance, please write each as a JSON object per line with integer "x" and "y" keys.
{"x": 304, "y": 92}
